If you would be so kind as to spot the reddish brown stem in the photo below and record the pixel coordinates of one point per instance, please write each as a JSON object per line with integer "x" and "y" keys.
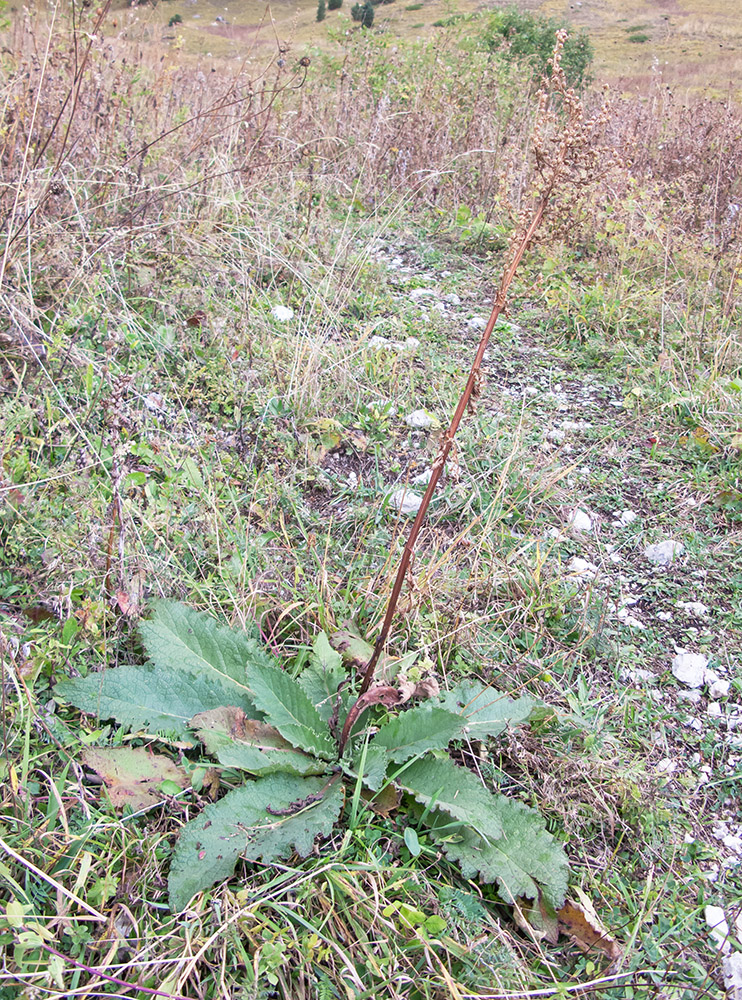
{"x": 447, "y": 441}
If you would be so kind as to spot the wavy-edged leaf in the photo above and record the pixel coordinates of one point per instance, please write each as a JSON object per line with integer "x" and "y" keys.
{"x": 417, "y": 730}
{"x": 525, "y": 861}
{"x": 249, "y": 745}
{"x": 287, "y": 707}
{"x": 177, "y": 638}
{"x": 374, "y": 763}
{"x": 252, "y": 822}
{"x": 441, "y": 784}
{"x": 487, "y": 712}
{"x": 324, "y": 675}
{"x": 157, "y": 701}
{"x": 133, "y": 775}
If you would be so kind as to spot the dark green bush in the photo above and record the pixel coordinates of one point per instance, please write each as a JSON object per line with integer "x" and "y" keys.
{"x": 334, "y": 4}
{"x": 530, "y": 38}
{"x": 321, "y": 10}
{"x": 363, "y": 12}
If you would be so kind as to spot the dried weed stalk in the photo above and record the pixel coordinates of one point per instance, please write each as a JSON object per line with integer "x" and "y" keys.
{"x": 568, "y": 154}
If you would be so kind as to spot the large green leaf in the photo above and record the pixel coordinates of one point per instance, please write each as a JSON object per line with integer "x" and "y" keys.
{"x": 417, "y": 730}
{"x": 287, "y": 707}
{"x": 158, "y": 701}
{"x": 324, "y": 675}
{"x": 249, "y": 745}
{"x": 374, "y": 763}
{"x": 252, "y": 822}
{"x": 487, "y": 711}
{"x": 525, "y": 861}
{"x": 178, "y": 638}
{"x": 441, "y": 784}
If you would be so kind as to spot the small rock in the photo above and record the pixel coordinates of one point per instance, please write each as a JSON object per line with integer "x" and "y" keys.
{"x": 719, "y": 688}
{"x": 717, "y": 924}
{"x": 582, "y": 569}
{"x": 625, "y": 518}
{"x": 690, "y": 669}
{"x": 446, "y": 274}
{"x": 421, "y": 420}
{"x": 282, "y": 313}
{"x": 637, "y": 674}
{"x": 412, "y": 343}
{"x": 666, "y": 766}
{"x": 664, "y": 616}
{"x": 693, "y": 608}
{"x": 423, "y": 293}
{"x": 626, "y": 618}
{"x": 452, "y": 299}
{"x": 732, "y": 968}
{"x": 580, "y": 521}
{"x": 555, "y": 434}
{"x": 476, "y": 323}
{"x": 663, "y": 553}
{"x": 714, "y": 710}
{"x": 694, "y": 696}
{"x": 576, "y": 425}
{"x": 405, "y": 502}
{"x": 422, "y": 478}
{"x": 398, "y": 345}
{"x": 378, "y": 343}
{"x": 352, "y": 481}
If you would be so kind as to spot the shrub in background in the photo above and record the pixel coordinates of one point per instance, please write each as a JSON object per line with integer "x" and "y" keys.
{"x": 530, "y": 38}
{"x": 321, "y": 10}
{"x": 334, "y": 4}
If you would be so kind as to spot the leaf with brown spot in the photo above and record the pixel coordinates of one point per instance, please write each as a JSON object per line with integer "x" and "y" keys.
{"x": 580, "y": 922}
{"x": 133, "y": 775}
{"x": 249, "y": 745}
{"x": 385, "y": 801}
{"x": 197, "y": 319}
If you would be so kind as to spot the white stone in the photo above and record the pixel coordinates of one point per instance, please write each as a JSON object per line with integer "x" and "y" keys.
{"x": 555, "y": 434}
{"x": 714, "y": 710}
{"x": 476, "y": 323}
{"x": 663, "y": 553}
{"x": 717, "y": 924}
{"x": 423, "y": 293}
{"x": 398, "y": 345}
{"x": 378, "y": 343}
{"x": 421, "y": 420}
{"x": 282, "y": 313}
{"x": 638, "y": 675}
{"x": 664, "y": 616}
{"x": 690, "y": 669}
{"x": 732, "y": 969}
{"x": 412, "y": 343}
{"x": 446, "y": 274}
{"x": 666, "y": 766}
{"x": 694, "y": 696}
{"x": 352, "y": 481}
{"x": 733, "y": 843}
{"x": 692, "y": 608}
{"x": 626, "y": 517}
{"x": 626, "y": 618}
{"x": 405, "y": 502}
{"x": 719, "y": 688}
{"x": 581, "y": 568}
{"x": 439, "y": 306}
{"x": 422, "y": 479}
{"x": 452, "y": 299}
{"x": 580, "y": 521}
{"x": 576, "y": 425}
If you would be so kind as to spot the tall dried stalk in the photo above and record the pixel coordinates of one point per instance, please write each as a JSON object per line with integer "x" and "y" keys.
{"x": 566, "y": 151}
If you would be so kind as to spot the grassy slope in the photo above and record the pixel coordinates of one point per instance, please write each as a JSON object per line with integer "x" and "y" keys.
{"x": 695, "y": 44}
{"x": 251, "y": 460}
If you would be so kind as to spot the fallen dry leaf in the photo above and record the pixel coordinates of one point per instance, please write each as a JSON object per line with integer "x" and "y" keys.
{"x": 580, "y": 922}
{"x": 133, "y": 776}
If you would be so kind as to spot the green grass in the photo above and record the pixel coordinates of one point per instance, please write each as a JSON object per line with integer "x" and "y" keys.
{"x": 243, "y": 465}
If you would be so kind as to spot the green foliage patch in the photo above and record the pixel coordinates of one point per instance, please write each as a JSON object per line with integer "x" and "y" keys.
{"x": 282, "y": 734}
{"x": 530, "y": 38}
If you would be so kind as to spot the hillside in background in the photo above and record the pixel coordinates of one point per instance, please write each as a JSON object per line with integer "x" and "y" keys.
{"x": 693, "y": 46}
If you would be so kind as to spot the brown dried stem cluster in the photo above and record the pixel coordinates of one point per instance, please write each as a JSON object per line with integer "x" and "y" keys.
{"x": 567, "y": 153}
